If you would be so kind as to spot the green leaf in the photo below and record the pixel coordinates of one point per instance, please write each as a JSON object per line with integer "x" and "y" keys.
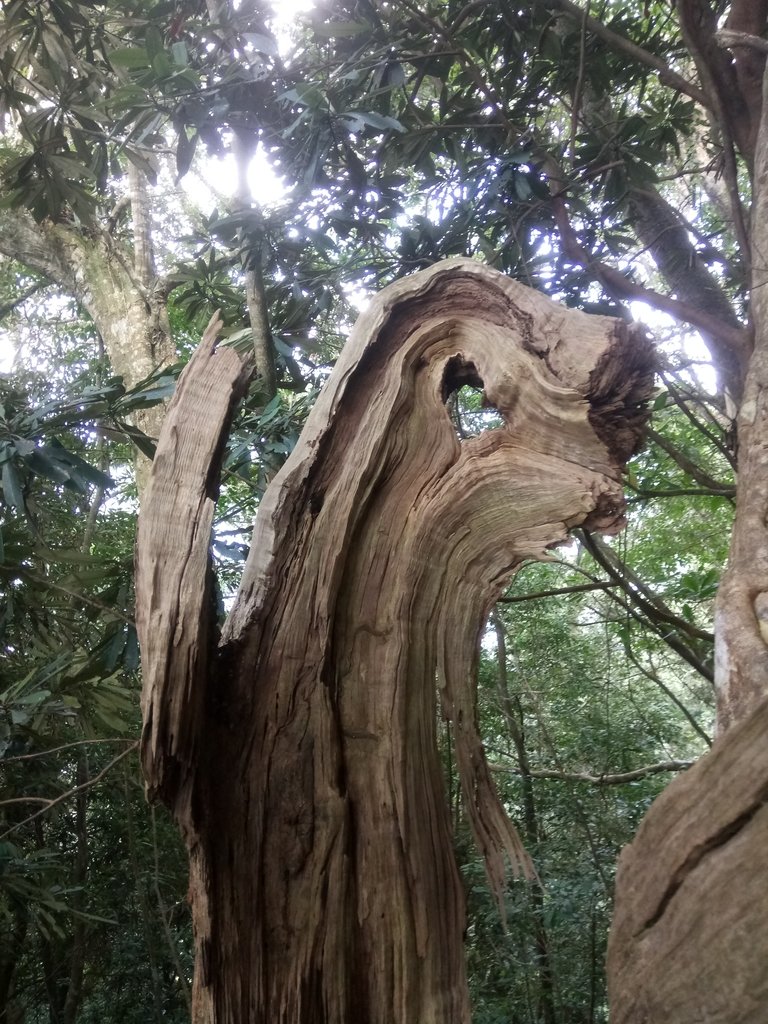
{"x": 185, "y": 151}
{"x": 660, "y": 402}
{"x": 154, "y": 41}
{"x": 179, "y": 53}
{"x": 11, "y": 484}
{"x": 381, "y": 122}
{"x": 341, "y": 29}
{"x": 131, "y": 57}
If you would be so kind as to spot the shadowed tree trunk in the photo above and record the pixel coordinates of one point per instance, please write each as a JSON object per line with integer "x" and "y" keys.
{"x": 690, "y": 931}
{"x": 689, "y": 936}
{"x": 298, "y": 750}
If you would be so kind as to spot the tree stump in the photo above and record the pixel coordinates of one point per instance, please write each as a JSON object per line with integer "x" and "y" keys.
{"x": 297, "y": 749}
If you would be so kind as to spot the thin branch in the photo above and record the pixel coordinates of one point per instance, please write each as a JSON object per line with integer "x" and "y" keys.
{"x": 56, "y": 750}
{"x": 8, "y": 307}
{"x": 621, "y": 286}
{"x": 70, "y": 592}
{"x": 25, "y": 800}
{"x": 71, "y": 792}
{"x": 164, "y": 917}
{"x": 577, "y": 588}
{"x": 618, "y": 779}
{"x": 688, "y": 466}
{"x": 626, "y": 46}
{"x": 654, "y": 677}
{"x": 579, "y": 89}
{"x": 637, "y": 591}
{"x": 728, "y": 493}
{"x": 679, "y": 397}
{"x": 669, "y": 638}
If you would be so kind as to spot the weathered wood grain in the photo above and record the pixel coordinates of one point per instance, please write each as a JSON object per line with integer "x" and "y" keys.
{"x": 320, "y": 838}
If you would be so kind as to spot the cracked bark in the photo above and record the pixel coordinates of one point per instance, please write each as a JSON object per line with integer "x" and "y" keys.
{"x": 689, "y": 933}
{"x": 299, "y": 753}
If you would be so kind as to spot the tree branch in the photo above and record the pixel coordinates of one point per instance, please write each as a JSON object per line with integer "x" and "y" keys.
{"x": 43, "y": 248}
{"x": 728, "y": 39}
{"x": 617, "y": 779}
{"x": 689, "y": 466}
{"x": 50, "y": 804}
{"x": 57, "y": 750}
{"x": 635, "y": 589}
{"x": 578, "y": 588}
{"x": 11, "y": 304}
{"x": 616, "y": 282}
{"x": 630, "y": 49}
{"x": 653, "y": 675}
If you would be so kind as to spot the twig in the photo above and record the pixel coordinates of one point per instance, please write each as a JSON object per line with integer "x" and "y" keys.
{"x": 652, "y": 674}
{"x": 56, "y": 750}
{"x": 11, "y": 304}
{"x": 24, "y": 800}
{"x": 729, "y": 493}
{"x": 618, "y": 779}
{"x": 624, "y": 45}
{"x": 577, "y": 588}
{"x": 71, "y": 792}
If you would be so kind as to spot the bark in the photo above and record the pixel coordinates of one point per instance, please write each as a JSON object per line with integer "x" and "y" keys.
{"x": 98, "y": 275}
{"x": 299, "y": 755}
{"x": 741, "y": 614}
{"x": 141, "y": 218}
{"x": 689, "y": 936}
{"x": 727, "y": 84}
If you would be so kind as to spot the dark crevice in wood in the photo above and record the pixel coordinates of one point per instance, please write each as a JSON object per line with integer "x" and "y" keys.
{"x": 723, "y": 835}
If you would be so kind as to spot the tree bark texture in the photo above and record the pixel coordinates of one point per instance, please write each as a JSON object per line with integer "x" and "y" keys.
{"x": 741, "y": 615}
{"x": 298, "y": 752}
{"x": 690, "y": 931}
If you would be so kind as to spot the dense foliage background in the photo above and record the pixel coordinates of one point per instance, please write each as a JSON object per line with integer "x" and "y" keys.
{"x": 567, "y": 148}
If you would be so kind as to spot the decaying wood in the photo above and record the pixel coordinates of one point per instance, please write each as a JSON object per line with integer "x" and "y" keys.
{"x": 172, "y": 563}
{"x": 299, "y": 755}
{"x": 690, "y": 931}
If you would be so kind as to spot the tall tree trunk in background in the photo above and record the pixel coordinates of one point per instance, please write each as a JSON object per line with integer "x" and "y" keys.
{"x": 255, "y": 294}
{"x": 512, "y": 713}
{"x": 741, "y": 623}
{"x": 118, "y": 288}
{"x": 299, "y": 753}
{"x": 689, "y": 939}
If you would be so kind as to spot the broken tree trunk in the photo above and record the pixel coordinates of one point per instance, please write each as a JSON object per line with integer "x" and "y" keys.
{"x": 298, "y": 754}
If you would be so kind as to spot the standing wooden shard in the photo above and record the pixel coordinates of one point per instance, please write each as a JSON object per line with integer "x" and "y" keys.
{"x": 324, "y": 886}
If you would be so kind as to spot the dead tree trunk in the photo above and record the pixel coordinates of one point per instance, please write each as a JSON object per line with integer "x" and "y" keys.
{"x": 297, "y": 751}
